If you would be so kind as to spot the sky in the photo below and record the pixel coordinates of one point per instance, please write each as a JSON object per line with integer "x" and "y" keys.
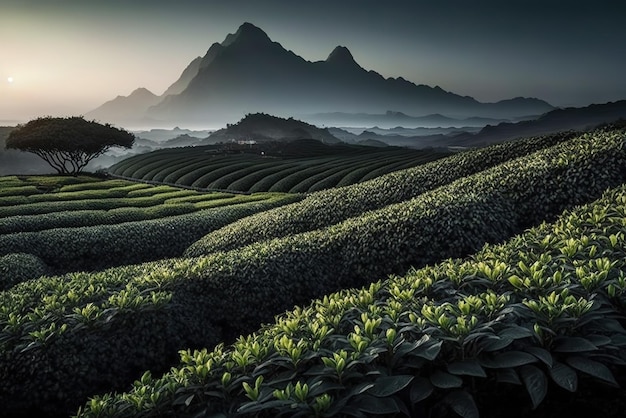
{"x": 67, "y": 57}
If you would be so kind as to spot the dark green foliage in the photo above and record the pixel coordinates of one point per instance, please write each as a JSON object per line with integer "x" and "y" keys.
{"x": 127, "y": 242}
{"x": 67, "y": 144}
{"x": 104, "y": 203}
{"x": 229, "y": 293}
{"x": 247, "y": 181}
{"x": 267, "y": 182}
{"x": 332, "y": 206}
{"x": 328, "y": 178}
{"x": 377, "y": 168}
{"x": 196, "y": 167}
{"x": 18, "y": 267}
{"x": 214, "y": 171}
{"x": 230, "y": 174}
{"x": 448, "y": 222}
{"x": 79, "y": 218}
{"x": 88, "y": 223}
{"x": 516, "y": 321}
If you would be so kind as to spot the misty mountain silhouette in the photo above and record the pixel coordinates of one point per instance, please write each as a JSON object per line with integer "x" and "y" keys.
{"x": 126, "y": 108}
{"x": 250, "y": 73}
{"x": 341, "y": 57}
{"x": 570, "y": 118}
{"x": 392, "y": 119}
{"x": 188, "y": 74}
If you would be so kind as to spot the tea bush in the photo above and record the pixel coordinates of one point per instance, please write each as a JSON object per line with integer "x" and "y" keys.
{"x": 79, "y": 218}
{"x": 127, "y": 242}
{"x": 18, "y": 267}
{"x": 251, "y": 172}
{"x": 331, "y": 206}
{"x": 538, "y": 314}
{"x": 90, "y": 223}
{"x": 104, "y": 203}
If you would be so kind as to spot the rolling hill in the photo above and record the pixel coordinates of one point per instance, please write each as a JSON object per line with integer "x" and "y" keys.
{"x": 95, "y": 333}
{"x": 261, "y": 127}
{"x": 297, "y": 166}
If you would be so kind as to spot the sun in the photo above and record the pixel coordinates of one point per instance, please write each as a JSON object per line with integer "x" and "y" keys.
{"x": 10, "y": 79}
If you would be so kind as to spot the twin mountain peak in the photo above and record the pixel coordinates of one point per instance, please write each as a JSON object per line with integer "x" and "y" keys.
{"x": 250, "y": 73}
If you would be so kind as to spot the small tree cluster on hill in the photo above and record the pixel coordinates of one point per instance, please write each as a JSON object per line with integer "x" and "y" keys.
{"x": 67, "y": 144}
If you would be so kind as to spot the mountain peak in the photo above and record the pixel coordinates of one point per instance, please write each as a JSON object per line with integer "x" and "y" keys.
{"x": 249, "y": 72}
{"x": 142, "y": 92}
{"x": 247, "y": 34}
{"x": 341, "y": 56}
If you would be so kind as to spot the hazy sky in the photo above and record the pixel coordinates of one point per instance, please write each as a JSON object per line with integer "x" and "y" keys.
{"x": 62, "y": 57}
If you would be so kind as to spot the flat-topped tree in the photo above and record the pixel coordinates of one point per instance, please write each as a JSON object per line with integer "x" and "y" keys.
{"x": 67, "y": 144}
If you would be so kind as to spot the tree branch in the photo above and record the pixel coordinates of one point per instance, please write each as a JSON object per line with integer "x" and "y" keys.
{"x": 48, "y": 157}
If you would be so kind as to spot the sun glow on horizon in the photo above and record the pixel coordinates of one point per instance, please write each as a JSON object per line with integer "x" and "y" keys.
{"x": 10, "y": 79}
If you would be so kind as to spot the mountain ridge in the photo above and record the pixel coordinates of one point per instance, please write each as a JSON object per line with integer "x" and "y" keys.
{"x": 569, "y": 118}
{"x": 249, "y": 73}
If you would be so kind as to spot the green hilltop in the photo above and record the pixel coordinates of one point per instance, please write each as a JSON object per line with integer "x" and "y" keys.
{"x": 262, "y": 127}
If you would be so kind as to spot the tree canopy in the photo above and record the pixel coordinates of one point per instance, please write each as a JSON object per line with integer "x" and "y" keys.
{"x": 67, "y": 144}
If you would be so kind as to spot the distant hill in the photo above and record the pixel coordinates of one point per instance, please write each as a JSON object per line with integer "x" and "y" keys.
{"x": 351, "y": 134}
{"x": 125, "y": 109}
{"x": 392, "y": 119}
{"x": 571, "y": 118}
{"x": 261, "y": 127}
{"x": 250, "y": 73}
{"x": 184, "y": 141}
{"x": 161, "y": 135}
{"x": 411, "y": 138}
{"x": 439, "y": 140}
{"x": 578, "y": 119}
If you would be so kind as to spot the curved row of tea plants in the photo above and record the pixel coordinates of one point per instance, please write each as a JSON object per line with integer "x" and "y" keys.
{"x": 116, "y": 239}
{"x": 32, "y": 185}
{"x": 147, "y": 165}
{"x": 86, "y": 217}
{"x": 451, "y": 221}
{"x": 113, "y": 324}
{"x": 331, "y": 206}
{"x": 194, "y": 167}
{"x": 69, "y": 222}
{"x": 513, "y": 325}
{"x": 84, "y": 200}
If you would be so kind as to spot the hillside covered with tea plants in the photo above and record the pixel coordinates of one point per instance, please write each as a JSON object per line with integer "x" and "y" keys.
{"x": 68, "y": 224}
{"x": 392, "y": 340}
{"x": 536, "y": 321}
{"x": 296, "y": 167}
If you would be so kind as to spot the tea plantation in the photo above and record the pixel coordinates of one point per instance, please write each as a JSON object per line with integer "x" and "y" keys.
{"x": 497, "y": 272}
{"x": 87, "y": 223}
{"x": 540, "y": 316}
{"x": 312, "y": 168}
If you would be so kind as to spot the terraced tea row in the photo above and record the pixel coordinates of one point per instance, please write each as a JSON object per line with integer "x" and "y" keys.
{"x": 90, "y": 223}
{"x": 114, "y": 323}
{"x": 332, "y": 206}
{"x": 35, "y": 196}
{"x": 515, "y": 322}
{"x": 197, "y": 167}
